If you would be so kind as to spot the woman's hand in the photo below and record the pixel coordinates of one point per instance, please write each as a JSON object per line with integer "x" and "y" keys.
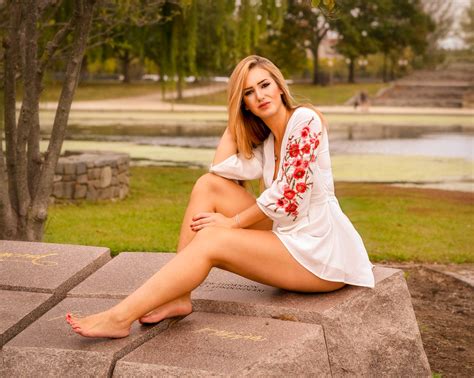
{"x": 202, "y": 220}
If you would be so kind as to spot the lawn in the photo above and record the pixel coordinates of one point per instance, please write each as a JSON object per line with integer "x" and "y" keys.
{"x": 396, "y": 224}
{"x": 92, "y": 91}
{"x": 337, "y": 94}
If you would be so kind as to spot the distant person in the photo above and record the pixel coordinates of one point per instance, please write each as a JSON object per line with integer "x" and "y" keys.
{"x": 362, "y": 100}
{"x": 294, "y": 236}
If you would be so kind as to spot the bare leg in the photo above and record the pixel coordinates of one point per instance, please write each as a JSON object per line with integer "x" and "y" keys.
{"x": 255, "y": 254}
{"x": 211, "y": 193}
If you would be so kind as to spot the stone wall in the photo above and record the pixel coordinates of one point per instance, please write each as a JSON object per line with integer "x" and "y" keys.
{"x": 91, "y": 176}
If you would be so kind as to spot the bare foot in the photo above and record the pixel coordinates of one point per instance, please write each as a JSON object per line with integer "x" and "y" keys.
{"x": 178, "y": 307}
{"x": 103, "y": 324}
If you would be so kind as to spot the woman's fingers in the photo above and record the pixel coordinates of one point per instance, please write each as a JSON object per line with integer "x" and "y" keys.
{"x": 202, "y": 215}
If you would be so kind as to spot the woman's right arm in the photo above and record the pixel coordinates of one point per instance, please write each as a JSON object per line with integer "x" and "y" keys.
{"x": 226, "y": 147}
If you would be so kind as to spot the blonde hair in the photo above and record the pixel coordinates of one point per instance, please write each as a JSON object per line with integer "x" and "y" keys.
{"x": 247, "y": 129}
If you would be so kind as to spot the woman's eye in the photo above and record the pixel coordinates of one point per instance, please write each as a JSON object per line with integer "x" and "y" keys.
{"x": 247, "y": 93}
{"x": 264, "y": 85}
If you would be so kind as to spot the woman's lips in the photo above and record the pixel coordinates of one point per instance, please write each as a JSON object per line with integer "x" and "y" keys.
{"x": 264, "y": 105}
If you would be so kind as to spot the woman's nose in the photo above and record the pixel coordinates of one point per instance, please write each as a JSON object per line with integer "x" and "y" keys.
{"x": 259, "y": 94}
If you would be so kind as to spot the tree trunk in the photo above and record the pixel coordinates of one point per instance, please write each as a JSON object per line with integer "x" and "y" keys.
{"x": 125, "y": 59}
{"x": 8, "y": 198}
{"x": 39, "y": 207}
{"x": 179, "y": 87}
{"x": 316, "y": 79}
{"x": 384, "y": 68}
{"x": 351, "y": 67}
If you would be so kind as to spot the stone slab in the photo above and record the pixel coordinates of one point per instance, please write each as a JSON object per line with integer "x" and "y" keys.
{"x": 47, "y": 268}
{"x": 462, "y": 272}
{"x": 368, "y": 331}
{"x": 18, "y": 309}
{"x": 121, "y": 276}
{"x": 205, "y": 344}
{"x": 50, "y": 348}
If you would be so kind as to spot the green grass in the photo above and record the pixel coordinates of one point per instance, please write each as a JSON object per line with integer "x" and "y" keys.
{"x": 396, "y": 224}
{"x": 92, "y": 91}
{"x": 330, "y": 95}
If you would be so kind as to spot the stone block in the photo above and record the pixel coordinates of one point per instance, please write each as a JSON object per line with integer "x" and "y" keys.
{"x": 204, "y": 345}
{"x": 82, "y": 179}
{"x": 58, "y": 190}
{"x": 114, "y": 181}
{"x": 105, "y": 177}
{"x": 59, "y": 170}
{"x": 50, "y": 348}
{"x": 19, "y": 309}
{"x": 123, "y": 178}
{"x": 57, "y": 178}
{"x": 69, "y": 168}
{"x": 69, "y": 178}
{"x": 105, "y": 193}
{"x": 92, "y": 194}
{"x": 94, "y": 173}
{"x": 81, "y": 168}
{"x": 116, "y": 192}
{"x": 368, "y": 331}
{"x": 47, "y": 268}
{"x": 80, "y": 191}
{"x": 68, "y": 190}
{"x": 123, "y": 192}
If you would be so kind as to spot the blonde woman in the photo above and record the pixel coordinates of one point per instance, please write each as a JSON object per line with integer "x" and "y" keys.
{"x": 293, "y": 236}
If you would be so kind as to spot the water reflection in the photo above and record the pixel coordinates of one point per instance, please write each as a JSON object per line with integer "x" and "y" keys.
{"x": 452, "y": 145}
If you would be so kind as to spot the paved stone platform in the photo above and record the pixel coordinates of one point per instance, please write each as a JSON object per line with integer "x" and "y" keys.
{"x": 36, "y": 276}
{"x": 205, "y": 344}
{"x": 50, "y": 348}
{"x": 361, "y": 325}
{"x": 362, "y": 331}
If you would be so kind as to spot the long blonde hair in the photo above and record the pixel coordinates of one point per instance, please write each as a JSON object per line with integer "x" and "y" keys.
{"x": 249, "y": 130}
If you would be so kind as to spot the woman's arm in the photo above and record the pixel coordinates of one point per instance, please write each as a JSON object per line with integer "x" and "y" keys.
{"x": 244, "y": 219}
{"x": 227, "y": 147}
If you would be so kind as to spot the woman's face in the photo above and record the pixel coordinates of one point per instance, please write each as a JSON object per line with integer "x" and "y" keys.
{"x": 261, "y": 94}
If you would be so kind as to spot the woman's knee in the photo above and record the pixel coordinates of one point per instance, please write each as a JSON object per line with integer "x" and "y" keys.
{"x": 209, "y": 183}
{"x": 213, "y": 242}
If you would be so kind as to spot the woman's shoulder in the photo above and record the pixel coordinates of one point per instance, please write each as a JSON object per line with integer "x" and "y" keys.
{"x": 304, "y": 114}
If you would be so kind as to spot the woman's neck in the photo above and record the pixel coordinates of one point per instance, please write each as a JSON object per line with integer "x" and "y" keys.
{"x": 277, "y": 123}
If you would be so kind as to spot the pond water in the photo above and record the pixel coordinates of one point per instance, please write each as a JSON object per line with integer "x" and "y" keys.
{"x": 450, "y": 145}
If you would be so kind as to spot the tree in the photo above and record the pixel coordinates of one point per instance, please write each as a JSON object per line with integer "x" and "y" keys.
{"x": 28, "y": 174}
{"x": 467, "y": 26}
{"x": 405, "y": 24}
{"x": 355, "y": 24}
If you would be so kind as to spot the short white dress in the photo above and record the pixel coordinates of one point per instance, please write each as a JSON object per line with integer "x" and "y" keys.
{"x": 306, "y": 215}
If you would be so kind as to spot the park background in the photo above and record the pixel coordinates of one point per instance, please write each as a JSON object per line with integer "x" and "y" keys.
{"x": 152, "y": 84}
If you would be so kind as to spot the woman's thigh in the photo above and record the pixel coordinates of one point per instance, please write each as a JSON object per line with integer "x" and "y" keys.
{"x": 228, "y": 197}
{"x": 260, "y": 256}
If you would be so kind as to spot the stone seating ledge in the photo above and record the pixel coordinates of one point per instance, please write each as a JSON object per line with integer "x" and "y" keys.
{"x": 238, "y": 327}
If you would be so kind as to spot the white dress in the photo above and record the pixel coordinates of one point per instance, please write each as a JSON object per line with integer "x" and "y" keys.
{"x": 306, "y": 215}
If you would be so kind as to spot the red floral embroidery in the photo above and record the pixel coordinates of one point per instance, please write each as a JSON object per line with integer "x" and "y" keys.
{"x": 289, "y": 193}
{"x": 296, "y": 170}
{"x": 294, "y": 150}
{"x": 301, "y": 187}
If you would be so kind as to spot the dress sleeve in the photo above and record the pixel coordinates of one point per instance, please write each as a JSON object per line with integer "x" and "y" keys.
{"x": 288, "y": 198}
{"x": 237, "y": 167}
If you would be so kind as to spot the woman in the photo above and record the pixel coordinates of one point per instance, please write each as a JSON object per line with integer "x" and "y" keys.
{"x": 293, "y": 236}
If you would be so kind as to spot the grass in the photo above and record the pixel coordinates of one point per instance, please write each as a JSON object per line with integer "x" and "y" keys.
{"x": 318, "y": 95}
{"x": 91, "y": 91}
{"x": 396, "y": 224}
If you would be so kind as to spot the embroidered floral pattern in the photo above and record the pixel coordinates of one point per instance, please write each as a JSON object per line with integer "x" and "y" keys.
{"x": 296, "y": 172}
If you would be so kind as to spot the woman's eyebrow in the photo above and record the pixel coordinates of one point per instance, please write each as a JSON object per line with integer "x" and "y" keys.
{"x": 261, "y": 81}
